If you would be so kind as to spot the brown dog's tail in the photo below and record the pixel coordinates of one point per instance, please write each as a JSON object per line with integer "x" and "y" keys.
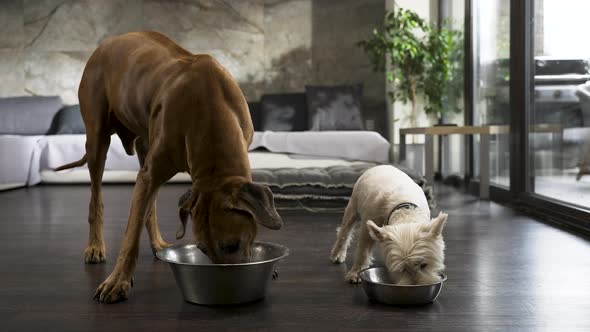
{"x": 78, "y": 163}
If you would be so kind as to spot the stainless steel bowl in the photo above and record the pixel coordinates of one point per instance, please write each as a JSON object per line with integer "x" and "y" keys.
{"x": 204, "y": 282}
{"x": 378, "y": 287}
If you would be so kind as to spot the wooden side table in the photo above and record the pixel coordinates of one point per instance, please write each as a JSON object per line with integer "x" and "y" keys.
{"x": 484, "y": 133}
{"x": 430, "y": 132}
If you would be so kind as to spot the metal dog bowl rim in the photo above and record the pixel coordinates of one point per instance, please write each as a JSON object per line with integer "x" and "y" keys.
{"x": 361, "y": 275}
{"x": 285, "y": 250}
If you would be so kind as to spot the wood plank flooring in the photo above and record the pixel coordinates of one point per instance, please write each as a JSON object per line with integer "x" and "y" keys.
{"x": 506, "y": 272}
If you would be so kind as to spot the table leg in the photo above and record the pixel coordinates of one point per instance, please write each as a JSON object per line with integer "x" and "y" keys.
{"x": 484, "y": 166}
{"x": 429, "y": 159}
{"x": 402, "y": 147}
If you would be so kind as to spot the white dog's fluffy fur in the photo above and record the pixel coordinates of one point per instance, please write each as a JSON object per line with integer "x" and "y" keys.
{"x": 412, "y": 245}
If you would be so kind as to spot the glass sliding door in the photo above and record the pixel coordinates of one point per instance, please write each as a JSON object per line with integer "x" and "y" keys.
{"x": 491, "y": 47}
{"x": 559, "y": 121}
{"x": 452, "y": 14}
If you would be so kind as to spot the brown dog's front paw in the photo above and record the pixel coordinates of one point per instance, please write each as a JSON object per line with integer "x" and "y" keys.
{"x": 158, "y": 246}
{"x": 94, "y": 254}
{"x": 114, "y": 289}
{"x": 353, "y": 277}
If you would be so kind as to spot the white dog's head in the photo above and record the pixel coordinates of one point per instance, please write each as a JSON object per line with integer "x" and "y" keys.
{"x": 413, "y": 252}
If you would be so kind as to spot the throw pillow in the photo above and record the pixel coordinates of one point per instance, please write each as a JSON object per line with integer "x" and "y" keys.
{"x": 254, "y": 108}
{"x": 27, "y": 115}
{"x": 284, "y": 112}
{"x": 67, "y": 121}
{"x": 335, "y": 107}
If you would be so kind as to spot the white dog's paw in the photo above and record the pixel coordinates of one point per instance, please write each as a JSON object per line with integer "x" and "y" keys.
{"x": 338, "y": 256}
{"x": 353, "y": 277}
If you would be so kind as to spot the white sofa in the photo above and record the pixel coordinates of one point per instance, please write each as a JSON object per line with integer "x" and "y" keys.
{"x": 38, "y": 134}
{"x": 29, "y": 160}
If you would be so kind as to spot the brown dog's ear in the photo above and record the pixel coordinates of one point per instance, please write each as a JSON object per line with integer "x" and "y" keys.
{"x": 200, "y": 213}
{"x": 257, "y": 200}
{"x": 185, "y": 204}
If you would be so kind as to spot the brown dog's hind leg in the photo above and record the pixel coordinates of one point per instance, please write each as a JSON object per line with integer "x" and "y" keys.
{"x": 95, "y": 250}
{"x": 98, "y": 140}
{"x": 153, "y": 230}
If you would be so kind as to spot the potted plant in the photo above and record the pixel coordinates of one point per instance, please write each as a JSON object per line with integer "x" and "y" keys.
{"x": 398, "y": 42}
{"x": 423, "y": 60}
{"x": 443, "y": 77}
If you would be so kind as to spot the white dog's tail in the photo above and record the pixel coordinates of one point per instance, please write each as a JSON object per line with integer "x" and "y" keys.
{"x": 428, "y": 192}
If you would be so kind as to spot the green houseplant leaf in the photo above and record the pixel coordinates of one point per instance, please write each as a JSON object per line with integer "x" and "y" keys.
{"x": 424, "y": 60}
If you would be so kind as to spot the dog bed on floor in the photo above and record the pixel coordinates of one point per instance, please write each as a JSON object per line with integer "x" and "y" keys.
{"x": 321, "y": 188}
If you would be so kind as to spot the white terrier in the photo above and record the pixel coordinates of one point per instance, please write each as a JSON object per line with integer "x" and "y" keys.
{"x": 412, "y": 245}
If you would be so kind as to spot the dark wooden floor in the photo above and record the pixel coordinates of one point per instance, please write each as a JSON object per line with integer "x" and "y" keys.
{"x": 506, "y": 272}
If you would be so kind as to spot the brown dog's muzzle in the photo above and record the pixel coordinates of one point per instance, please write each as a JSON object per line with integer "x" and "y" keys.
{"x": 224, "y": 223}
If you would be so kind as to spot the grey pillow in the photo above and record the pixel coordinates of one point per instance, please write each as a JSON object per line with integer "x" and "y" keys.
{"x": 284, "y": 112}
{"x": 68, "y": 121}
{"x": 29, "y": 115}
{"x": 335, "y": 107}
{"x": 254, "y": 108}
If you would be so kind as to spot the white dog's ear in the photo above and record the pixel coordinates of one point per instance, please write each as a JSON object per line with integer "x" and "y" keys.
{"x": 375, "y": 231}
{"x": 437, "y": 224}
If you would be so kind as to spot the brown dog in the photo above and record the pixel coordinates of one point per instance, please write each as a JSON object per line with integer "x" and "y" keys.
{"x": 182, "y": 112}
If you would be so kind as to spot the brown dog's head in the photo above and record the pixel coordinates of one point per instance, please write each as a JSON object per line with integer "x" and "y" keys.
{"x": 225, "y": 221}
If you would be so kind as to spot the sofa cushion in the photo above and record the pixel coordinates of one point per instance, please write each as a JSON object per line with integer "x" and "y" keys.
{"x": 335, "y": 107}
{"x": 28, "y": 115}
{"x": 284, "y": 112}
{"x": 67, "y": 121}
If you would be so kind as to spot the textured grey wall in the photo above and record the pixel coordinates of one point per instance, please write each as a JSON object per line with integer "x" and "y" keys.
{"x": 268, "y": 45}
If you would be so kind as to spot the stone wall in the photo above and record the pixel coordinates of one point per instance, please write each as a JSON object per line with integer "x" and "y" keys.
{"x": 337, "y": 25}
{"x": 268, "y": 45}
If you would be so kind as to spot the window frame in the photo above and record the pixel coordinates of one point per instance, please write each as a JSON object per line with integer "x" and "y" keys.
{"x": 520, "y": 194}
